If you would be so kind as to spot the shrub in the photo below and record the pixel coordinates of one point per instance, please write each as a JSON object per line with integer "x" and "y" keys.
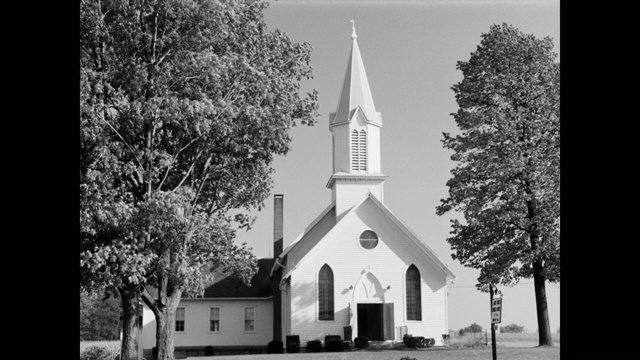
{"x": 333, "y": 343}
{"x": 346, "y": 345}
{"x": 512, "y": 328}
{"x": 429, "y": 342}
{"x": 468, "y": 341}
{"x": 293, "y": 343}
{"x": 208, "y": 350}
{"x": 98, "y": 353}
{"x": 473, "y": 328}
{"x": 361, "y": 342}
{"x": 275, "y": 347}
{"x": 413, "y": 341}
{"x": 314, "y": 346}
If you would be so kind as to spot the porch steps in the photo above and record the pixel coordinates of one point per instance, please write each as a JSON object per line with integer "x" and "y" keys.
{"x": 383, "y": 344}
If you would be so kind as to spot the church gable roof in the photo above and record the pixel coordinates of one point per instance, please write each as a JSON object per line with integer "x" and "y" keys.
{"x": 313, "y": 233}
{"x": 420, "y": 246}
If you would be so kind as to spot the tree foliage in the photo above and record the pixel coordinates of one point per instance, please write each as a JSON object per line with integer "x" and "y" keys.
{"x": 183, "y": 105}
{"x": 473, "y": 328}
{"x": 506, "y": 182}
{"x": 99, "y": 316}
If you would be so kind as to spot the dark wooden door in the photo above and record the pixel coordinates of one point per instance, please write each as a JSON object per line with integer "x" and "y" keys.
{"x": 370, "y": 322}
{"x": 389, "y": 324}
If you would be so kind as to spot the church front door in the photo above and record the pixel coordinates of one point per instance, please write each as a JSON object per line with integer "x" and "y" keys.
{"x": 370, "y": 321}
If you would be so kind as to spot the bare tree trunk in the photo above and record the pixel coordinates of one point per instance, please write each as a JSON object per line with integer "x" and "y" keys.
{"x": 166, "y": 326}
{"x": 544, "y": 330}
{"x": 130, "y": 330}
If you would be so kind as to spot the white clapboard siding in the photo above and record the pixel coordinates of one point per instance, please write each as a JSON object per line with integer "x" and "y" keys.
{"x": 346, "y": 193}
{"x": 388, "y": 262}
{"x": 197, "y": 316}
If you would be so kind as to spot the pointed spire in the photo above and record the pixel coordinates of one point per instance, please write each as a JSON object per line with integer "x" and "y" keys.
{"x": 355, "y": 89}
{"x": 353, "y": 28}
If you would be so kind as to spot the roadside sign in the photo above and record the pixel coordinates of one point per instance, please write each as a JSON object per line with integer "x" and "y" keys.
{"x": 496, "y": 310}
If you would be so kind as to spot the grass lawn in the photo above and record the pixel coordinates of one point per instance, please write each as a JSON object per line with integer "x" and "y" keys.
{"x": 510, "y": 347}
{"x": 531, "y": 353}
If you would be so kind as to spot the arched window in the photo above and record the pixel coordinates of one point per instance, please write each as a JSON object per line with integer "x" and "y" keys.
{"x": 325, "y": 293}
{"x": 363, "y": 150}
{"x": 354, "y": 150}
{"x": 414, "y": 306}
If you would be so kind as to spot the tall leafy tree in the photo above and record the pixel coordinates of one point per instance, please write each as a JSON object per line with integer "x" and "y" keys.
{"x": 183, "y": 106}
{"x": 506, "y": 182}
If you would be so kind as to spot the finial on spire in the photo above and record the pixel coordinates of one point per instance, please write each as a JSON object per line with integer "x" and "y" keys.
{"x": 353, "y": 27}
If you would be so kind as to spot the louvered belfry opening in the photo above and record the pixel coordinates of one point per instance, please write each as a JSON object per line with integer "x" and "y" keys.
{"x": 363, "y": 150}
{"x": 354, "y": 150}
{"x": 414, "y": 306}
{"x": 325, "y": 293}
{"x": 358, "y": 150}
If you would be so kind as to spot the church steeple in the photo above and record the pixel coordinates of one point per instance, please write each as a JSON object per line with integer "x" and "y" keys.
{"x": 355, "y": 90}
{"x": 355, "y": 128}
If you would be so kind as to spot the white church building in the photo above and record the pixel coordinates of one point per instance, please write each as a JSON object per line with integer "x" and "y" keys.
{"x": 355, "y": 266}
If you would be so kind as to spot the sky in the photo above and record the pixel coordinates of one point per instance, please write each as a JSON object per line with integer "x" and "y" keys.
{"x": 409, "y": 50}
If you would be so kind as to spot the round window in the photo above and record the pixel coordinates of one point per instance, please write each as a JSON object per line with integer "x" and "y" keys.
{"x": 368, "y": 239}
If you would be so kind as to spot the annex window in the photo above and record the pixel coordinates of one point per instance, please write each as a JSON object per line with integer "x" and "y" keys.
{"x": 325, "y": 293}
{"x": 358, "y": 150}
{"x": 249, "y": 319}
{"x": 414, "y": 307}
{"x": 214, "y": 319}
{"x": 368, "y": 239}
{"x": 180, "y": 319}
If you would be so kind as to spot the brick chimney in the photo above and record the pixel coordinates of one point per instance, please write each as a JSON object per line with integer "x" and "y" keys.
{"x": 277, "y": 224}
{"x": 277, "y": 275}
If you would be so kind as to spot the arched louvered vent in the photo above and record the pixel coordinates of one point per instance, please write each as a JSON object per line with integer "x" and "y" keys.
{"x": 354, "y": 150}
{"x": 363, "y": 150}
{"x": 358, "y": 150}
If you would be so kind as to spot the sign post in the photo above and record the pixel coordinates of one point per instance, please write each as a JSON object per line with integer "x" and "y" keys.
{"x": 496, "y": 315}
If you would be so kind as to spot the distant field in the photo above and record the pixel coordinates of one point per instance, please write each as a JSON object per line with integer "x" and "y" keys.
{"x": 509, "y": 339}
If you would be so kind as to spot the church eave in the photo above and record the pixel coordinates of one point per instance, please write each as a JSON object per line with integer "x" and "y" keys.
{"x": 355, "y": 177}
